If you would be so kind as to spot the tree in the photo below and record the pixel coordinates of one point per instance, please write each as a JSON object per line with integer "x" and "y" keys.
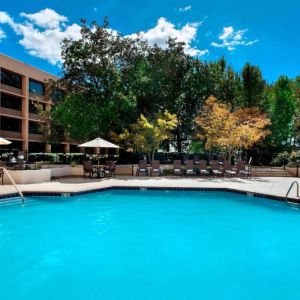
{"x": 94, "y": 72}
{"x": 253, "y": 86}
{"x": 230, "y": 131}
{"x": 282, "y": 108}
{"x": 146, "y": 136}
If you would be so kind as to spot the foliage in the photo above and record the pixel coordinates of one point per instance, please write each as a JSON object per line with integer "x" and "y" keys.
{"x": 291, "y": 159}
{"x": 230, "y": 131}
{"x": 146, "y": 136}
{"x": 110, "y": 80}
{"x": 282, "y": 109}
{"x": 253, "y": 86}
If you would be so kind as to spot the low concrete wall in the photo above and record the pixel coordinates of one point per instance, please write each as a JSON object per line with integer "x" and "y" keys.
{"x": 293, "y": 171}
{"x": 28, "y": 176}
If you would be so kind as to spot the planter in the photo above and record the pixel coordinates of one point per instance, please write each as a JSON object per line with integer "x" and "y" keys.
{"x": 293, "y": 171}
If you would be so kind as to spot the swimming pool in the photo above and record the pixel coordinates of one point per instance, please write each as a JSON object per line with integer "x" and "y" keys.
{"x": 122, "y": 244}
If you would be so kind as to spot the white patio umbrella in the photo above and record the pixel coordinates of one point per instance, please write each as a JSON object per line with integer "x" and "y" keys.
{"x": 98, "y": 143}
{"x": 4, "y": 141}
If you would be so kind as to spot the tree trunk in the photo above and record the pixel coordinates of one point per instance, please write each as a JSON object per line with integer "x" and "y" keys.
{"x": 178, "y": 141}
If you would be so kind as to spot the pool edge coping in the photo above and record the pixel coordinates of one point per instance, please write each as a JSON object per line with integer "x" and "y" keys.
{"x": 8, "y": 196}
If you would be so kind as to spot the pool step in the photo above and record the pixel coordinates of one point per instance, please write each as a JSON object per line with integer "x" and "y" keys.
{"x": 14, "y": 201}
{"x": 269, "y": 172}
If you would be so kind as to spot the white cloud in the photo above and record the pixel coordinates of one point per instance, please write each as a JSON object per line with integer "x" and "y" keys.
{"x": 2, "y": 35}
{"x": 42, "y": 33}
{"x": 186, "y": 8}
{"x": 46, "y": 18}
{"x": 231, "y": 38}
{"x": 164, "y": 29}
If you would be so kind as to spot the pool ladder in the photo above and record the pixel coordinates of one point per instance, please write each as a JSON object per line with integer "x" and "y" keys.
{"x": 290, "y": 188}
{"x": 14, "y": 184}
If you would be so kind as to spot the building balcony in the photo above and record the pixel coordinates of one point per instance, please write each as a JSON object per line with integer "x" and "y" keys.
{"x": 10, "y": 89}
{"x": 35, "y": 117}
{"x": 33, "y": 137}
{"x": 10, "y": 112}
{"x": 11, "y": 135}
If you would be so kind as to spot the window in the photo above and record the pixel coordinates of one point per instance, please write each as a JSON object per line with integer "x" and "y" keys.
{"x": 33, "y": 107}
{"x": 11, "y": 102}
{"x": 36, "y": 87}
{"x": 11, "y": 124}
{"x": 34, "y": 128}
{"x": 11, "y": 79}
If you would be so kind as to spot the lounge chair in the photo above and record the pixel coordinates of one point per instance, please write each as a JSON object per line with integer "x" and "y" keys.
{"x": 228, "y": 169}
{"x": 215, "y": 167}
{"x": 142, "y": 168}
{"x": 242, "y": 171}
{"x": 220, "y": 159}
{"x": 203, "y": 168}
{"x": 177, "y": 167}
{"x": 190, "y": 170}
{"x": 155, "y": 168}
{"x": 185, "y": 158}
{"x": 89, "y": 169}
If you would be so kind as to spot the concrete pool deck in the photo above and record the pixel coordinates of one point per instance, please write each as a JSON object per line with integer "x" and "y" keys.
{"x": 272, "y": 186}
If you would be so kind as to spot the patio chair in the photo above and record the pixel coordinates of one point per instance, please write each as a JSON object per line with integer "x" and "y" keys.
{"x": 190, "y": 168}
{"x": 89, "y": 169}
{"x": 196, "y": 159}
{"x": 215, "y": 167}
{"x": 220, "y": 159}
{"x": 228, "y": 169}
{"x": 203, "y": 168}
{"x": 185, "y": 158}
{"x": 110, "y": 169}
{"x": 210, "y": 158}
{"x": 177, "y": 167}
{"x": 142, "y": 168}
{"x": 242, "y": 171}
{"x": 155, "y": 168}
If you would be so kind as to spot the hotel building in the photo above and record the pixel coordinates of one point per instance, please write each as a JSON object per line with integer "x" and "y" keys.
{"x": 21, "y": 87}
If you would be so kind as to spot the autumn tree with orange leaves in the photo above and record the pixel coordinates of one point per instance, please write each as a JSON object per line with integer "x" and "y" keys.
{"x": 221, "y": 129}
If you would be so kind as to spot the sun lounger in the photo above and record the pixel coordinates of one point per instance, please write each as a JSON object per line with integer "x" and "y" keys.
{"x": 190, "y": 168}
{"x": 177, "y": 167}
{"x": 155, "y": 168}
{"x": 142, "y": 168}
{"x": 203, "y": 168}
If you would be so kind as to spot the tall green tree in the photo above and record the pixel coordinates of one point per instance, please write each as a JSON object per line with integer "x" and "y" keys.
{"x": 94, "y": 71}
{"x": 282, "y": 110}
{"x": 253, "y": 86}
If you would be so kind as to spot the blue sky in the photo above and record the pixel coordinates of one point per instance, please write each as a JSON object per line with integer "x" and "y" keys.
{"x": 262, "y": 32}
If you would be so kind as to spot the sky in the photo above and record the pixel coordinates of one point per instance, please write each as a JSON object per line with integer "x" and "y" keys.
{"x": 263, "y": 32}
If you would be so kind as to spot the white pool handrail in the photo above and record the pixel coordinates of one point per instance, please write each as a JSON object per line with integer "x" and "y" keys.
{"x": 14, "y": 184}
{"x": 290, "y": 188}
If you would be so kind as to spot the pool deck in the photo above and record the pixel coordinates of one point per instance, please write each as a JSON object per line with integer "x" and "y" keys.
{"x": 272, "y": 186}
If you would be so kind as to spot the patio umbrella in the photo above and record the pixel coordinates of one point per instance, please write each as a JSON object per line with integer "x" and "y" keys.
{"x": 98, "y": 143}
{"x": 4, "y": 141}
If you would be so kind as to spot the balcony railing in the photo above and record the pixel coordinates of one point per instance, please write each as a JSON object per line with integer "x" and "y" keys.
{"x": 35, "y": 137}
{"x": 11, "y": 135}
{"x": 10, "y": 112}
{"x": 10, "y": 89}
{"x": 35, "y": 117}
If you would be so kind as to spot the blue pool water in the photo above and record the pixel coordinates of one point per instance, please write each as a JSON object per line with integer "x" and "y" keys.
{"x": 158, "y": 245}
